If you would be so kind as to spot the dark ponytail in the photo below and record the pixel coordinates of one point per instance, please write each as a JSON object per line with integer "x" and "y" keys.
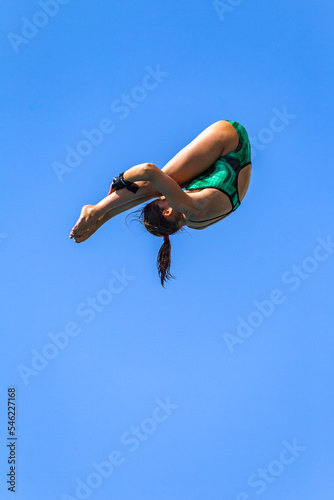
{"x": 151, "y": 216}
{"x": 164, "y": 261}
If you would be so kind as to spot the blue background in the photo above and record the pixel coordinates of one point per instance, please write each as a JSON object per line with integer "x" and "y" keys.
{"x": 234, "y": 409}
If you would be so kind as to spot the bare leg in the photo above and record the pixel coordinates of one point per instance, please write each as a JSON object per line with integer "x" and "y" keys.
{"x": 219, "y": 139}
{"x": 94, "y": 216}
{"x": 109, "y": 215}
{"x": 94, "y": 227}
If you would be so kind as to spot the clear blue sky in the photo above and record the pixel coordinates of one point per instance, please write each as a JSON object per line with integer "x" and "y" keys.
{"x": 219, "y": 387}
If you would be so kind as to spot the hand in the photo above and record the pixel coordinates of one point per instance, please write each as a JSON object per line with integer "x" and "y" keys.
{"x": 111, "y": 190}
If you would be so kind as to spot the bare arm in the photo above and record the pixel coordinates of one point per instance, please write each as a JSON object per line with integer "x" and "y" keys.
{"x": 164, "y": 184}
{"x": 200, "y": 205}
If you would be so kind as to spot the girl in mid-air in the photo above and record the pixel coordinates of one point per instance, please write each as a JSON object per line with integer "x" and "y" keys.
{"x": 204, "y": 183}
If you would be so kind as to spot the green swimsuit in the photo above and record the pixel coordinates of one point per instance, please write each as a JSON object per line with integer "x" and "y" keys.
{"x": 223, "y": 174}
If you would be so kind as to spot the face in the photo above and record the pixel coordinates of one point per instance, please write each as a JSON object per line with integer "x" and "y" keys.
{"x": 167, "y": 210}
{"x": 163, "y": 204}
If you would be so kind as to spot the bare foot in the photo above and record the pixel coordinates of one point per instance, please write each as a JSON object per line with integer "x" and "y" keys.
{"x": 88, "y": 233}
{"x": 84, "y": 222}
{"x": 84, "y": 236}
{"x": 92, "y": 229}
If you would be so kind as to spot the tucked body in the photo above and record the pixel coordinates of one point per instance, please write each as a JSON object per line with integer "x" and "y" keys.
{"x": 204, "y": 183}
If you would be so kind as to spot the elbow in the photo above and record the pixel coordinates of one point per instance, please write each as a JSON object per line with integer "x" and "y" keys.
{"x": 148, "y": 170}
{"x": 150, "y": 167}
